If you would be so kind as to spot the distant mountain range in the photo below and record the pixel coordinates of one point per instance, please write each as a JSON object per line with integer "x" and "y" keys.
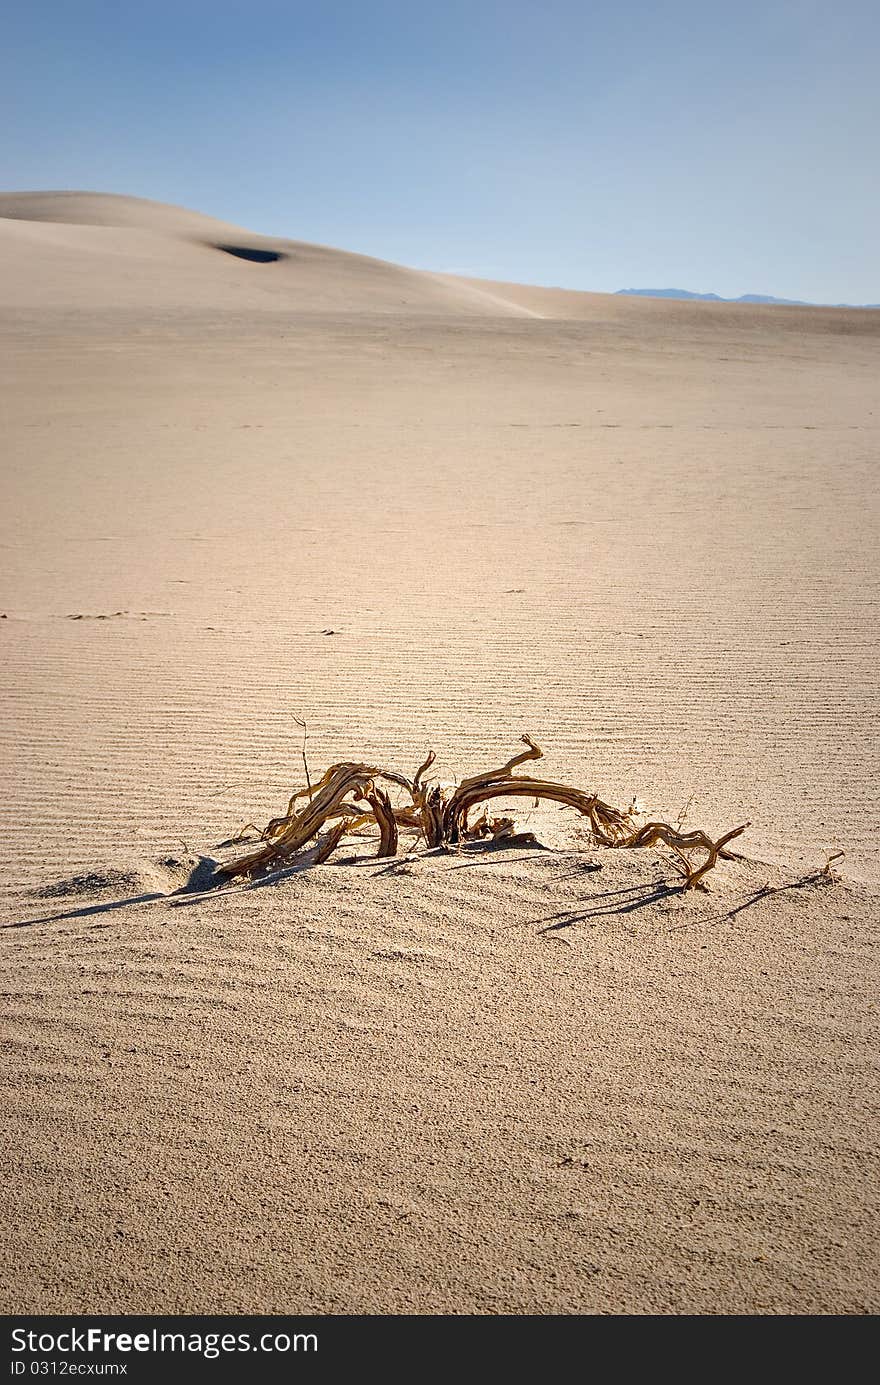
{"x": 743, "y": 298}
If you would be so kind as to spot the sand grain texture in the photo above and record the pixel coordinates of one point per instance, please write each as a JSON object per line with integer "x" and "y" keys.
{"x": 644, "y": 532}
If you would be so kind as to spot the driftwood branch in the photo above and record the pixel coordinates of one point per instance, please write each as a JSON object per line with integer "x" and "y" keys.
{"x": 345, "y": 792}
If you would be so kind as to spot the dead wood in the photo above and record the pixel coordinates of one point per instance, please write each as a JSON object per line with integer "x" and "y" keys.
{"x": 351, "y": 796}
{"x": 383, "y": 812}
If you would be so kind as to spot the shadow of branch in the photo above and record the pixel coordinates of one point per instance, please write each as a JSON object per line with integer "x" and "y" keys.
{"x": 87, "y": 910}
{"x": 626, "y": 901}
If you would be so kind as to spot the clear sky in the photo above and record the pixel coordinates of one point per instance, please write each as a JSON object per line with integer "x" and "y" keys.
{"x": 730, "y": 147}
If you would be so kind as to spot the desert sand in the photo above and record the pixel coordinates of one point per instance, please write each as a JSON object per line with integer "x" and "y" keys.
{"x": 429, "y": 513}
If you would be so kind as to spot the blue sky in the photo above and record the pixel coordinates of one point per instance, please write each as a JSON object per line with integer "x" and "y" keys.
{"x": 724, "y": 147}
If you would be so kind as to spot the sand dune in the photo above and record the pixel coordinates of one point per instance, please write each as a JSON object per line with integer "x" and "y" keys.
{"x": 429, "y": 512}
{"x": 88, "y": 250}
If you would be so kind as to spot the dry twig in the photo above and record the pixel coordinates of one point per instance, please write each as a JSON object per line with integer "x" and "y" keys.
{"x": 352, "y": 795}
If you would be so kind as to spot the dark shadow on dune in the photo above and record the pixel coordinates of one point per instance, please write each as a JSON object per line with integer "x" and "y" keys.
{"x": 89, "y": 909}
{"x": 624, "y": 902}
{"x": 248, "y": 252}
{"x": 203, "y": 877}
{"x": 496, "y": 860}
{"x": 812, "y": 878}
{"x": 483, "y": 852}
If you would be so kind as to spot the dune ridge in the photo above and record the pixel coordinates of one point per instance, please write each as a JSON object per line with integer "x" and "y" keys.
{"x": 89, "y": 249}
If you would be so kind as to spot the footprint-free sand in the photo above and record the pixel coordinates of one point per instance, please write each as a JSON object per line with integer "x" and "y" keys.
{"x": 429, "y": 513}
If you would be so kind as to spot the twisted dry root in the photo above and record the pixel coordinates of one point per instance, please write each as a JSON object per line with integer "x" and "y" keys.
{"x": 383, "y": 812}
{"x": 351, "y": 796}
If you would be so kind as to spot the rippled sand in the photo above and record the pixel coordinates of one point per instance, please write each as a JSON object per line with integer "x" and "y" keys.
{"x": 425, "y": 513}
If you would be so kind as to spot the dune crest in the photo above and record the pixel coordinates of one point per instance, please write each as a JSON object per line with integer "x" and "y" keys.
{"x": 96, "y": 250}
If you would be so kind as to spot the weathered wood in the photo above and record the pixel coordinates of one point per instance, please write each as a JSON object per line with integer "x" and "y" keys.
{"x": 442, "y": 819}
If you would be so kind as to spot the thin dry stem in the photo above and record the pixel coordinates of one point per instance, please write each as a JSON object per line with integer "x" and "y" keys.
{"x": 300, "y": 721}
